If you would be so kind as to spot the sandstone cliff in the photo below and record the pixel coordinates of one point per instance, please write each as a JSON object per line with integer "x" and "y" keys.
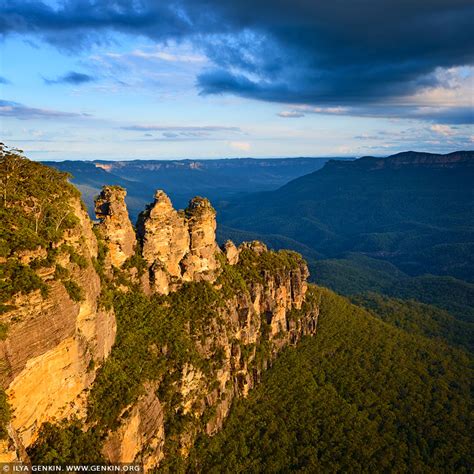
{"x": 54, "y": 344}
{"x": 228, "y": 334}
{"x": 142, "y": 375}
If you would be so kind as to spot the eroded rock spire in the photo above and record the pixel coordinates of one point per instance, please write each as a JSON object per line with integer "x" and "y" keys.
{"x": 115, "y": 225}
{"x": 178, "y": 245}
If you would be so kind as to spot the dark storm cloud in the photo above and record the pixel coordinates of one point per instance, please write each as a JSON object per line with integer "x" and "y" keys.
{"x": 72, "y": 77}
{"x": 446, "y": 115}
{"x": 290, "y": 51}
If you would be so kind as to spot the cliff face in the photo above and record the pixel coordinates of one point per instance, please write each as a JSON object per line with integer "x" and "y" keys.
{"x": 271, "y": 311}
{"x": 55, "y": 344}
{"x": 217, "y": 320}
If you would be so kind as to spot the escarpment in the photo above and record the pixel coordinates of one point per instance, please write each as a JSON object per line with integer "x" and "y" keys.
{"x": 213, "y": 342}
{"x": 55, "y": 332}
{"x": 142, "y": 338}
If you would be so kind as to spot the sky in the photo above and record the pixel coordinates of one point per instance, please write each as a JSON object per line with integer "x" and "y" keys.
{"x": 143, "y": 79}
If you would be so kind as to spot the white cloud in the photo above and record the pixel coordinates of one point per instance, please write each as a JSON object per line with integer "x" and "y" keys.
{"x": 444, "y": 130}
{"x": 170, "y": 57}
{"x": 243, "y": 146}
{"x": 290, "y": 114}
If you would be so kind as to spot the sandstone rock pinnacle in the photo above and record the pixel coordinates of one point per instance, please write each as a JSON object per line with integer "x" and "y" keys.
{"x": 231, "y": 252}
{"x": 200, "y": 260}
{"x": 164, "y": 234}
{"x": 115, "y": 225}
{"x": 178, "y": 246}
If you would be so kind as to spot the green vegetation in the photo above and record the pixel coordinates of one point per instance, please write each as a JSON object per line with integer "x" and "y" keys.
{"x": 74, "y": 291}
{"x": 75, "y": 257}
{"x": 35, "y": 210}
{"x": 419, "y": 318}
{"x": 4, "y": 414}
{"x": 361, "y": 396}
{"x": 145, "y": 326}
{"x": 355, "y": 274}
{"x": 66, "y": 443}
{"x": 17, "y": 278}
{"x": 34, "y": 203}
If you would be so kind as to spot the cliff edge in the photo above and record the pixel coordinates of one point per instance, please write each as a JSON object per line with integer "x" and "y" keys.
{"x": 129, "y": 344}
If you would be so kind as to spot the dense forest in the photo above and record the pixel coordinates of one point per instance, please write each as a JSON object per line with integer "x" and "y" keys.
{"x": 372, "y": 392}
{"x": 363, "y": 396}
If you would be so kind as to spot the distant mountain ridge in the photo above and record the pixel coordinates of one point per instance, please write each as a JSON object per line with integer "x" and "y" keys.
{"x": 411, "y": 159}
{"x": 413, "y": 212}
{"x": 218, "y": 179}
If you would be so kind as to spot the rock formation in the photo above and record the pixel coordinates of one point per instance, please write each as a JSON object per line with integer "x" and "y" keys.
{"x": 115, "y": 224}
{"x": 231, "y": 252}
{"x": 200, "y": 262}
{"x": 54, "y": 344}
{"x": 272, "y": 314}
{"x": 256, "y": 304}
{"x": 178, "y": 246}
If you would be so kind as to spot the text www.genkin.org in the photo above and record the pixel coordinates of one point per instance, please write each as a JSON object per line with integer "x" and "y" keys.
{"x": 23, "y": 467}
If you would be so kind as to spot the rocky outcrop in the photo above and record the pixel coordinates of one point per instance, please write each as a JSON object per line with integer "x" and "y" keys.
{"x": 255, "y": 303}
{"x": 115, "y": 225}
{"x": 252, "y": 328}
{"x": 165, "y": 241}
{"x": 54, "y": 344}
{"x": 178, "y": 246}
{"x": 144, "y": 428}
{"x": 200, "y": 262}
{"x": 231, "y": 252}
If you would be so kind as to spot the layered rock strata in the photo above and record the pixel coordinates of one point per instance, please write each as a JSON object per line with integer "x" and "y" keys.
{"x": 54, "y": 344}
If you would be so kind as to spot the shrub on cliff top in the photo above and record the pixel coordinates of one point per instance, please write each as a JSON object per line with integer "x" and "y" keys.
{"x": 34, "y": 203}
{"x": 17, "y": 278}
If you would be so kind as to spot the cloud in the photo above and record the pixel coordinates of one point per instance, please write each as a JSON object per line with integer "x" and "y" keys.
{"x": 23, "y": 112}
{"x": 4, "y": 80}
{"x": 243, "y": 146}
{"x": 169, "y": 57}
{"x": 72, "y": 77}
{"x": 443, "y": 130}
{"x": 455, "y": 115}
{"x": 318, "y": 53}
{"x": 290, "y": 114}
{"x": 183, "y": 133}
{"x": 181, "y": 129}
